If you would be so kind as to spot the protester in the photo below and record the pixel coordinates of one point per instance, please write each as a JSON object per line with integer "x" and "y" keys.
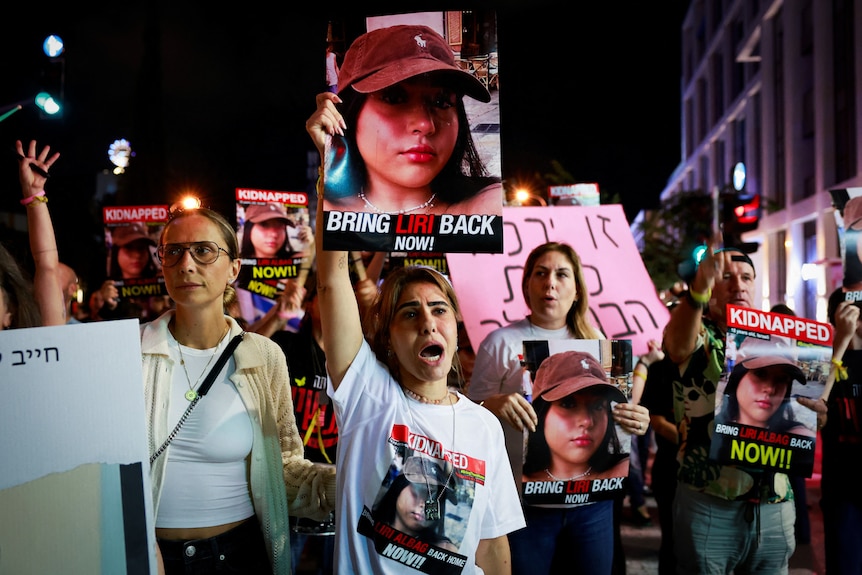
{"x": 555, "y": 292}
{"x": 726, "y": 518}
{"x": 406, "y": 145}
{"x": 391, "y": 399}
{"x": 223, "y": 485}
{"x": 841, "y": 441}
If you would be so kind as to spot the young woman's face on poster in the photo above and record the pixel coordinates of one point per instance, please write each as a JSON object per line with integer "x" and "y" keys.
{"x": 133, "y": 258}
{"x": 575, "y": 427}
{"x": 406, "y": 133}
{"x": 267, "y": 237}
{"x": 760, "y": 393}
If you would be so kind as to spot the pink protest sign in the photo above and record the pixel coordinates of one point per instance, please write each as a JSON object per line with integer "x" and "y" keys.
{"x": 622, "y": 298}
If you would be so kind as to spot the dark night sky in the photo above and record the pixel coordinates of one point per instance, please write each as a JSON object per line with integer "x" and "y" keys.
{"x": 594, "y": 87}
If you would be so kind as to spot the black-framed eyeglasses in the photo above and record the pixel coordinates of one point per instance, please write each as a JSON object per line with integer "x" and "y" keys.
{"x": 202, "y": 252}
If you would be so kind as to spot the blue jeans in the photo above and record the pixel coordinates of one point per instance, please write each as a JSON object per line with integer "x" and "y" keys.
{"x": 570, "y": 541}
{"x": 713, "y": 535}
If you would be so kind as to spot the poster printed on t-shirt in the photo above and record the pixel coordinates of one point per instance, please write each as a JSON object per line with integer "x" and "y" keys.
{"x": 577, "y": 454}
{"x": 771, "y": 359}
{"x": 131, "y": 239}
{"x": 421, "y": 511}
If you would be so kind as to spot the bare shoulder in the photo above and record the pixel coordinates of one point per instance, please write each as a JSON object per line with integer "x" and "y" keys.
{"x": 489, "y": 200}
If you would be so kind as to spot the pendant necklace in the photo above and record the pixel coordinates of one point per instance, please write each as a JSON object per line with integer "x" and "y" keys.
{"x": 192, "y": 393}
{"x": 584, "y": 474}
{"x": 428, "y": 204}
{"x": 432, "y": 504}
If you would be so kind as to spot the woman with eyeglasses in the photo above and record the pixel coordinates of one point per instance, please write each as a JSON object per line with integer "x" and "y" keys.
{"x": 223, "y": 486}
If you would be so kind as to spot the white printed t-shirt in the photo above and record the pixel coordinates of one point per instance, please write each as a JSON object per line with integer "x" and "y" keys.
{"x": 382, "y": 435}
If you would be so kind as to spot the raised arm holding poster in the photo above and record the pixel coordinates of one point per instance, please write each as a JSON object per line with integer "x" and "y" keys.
{"x": 771, "y": 359}
{"x": 403, "y": 172}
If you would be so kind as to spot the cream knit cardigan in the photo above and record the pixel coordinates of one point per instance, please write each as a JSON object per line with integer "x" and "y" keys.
{"x": 281, "y": 479}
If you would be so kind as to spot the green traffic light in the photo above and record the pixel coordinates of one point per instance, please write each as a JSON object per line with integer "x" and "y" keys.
{"x": 47, "y": 103}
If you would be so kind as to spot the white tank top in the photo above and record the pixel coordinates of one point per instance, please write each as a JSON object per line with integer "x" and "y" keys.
{"x": 206, "y": 479}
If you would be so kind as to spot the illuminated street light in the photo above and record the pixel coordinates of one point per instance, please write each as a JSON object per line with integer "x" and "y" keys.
{"x": 522, "y": 195}
{"x": 119, "y": 153}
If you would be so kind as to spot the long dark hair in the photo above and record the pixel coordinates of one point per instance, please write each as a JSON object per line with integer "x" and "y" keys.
{"x": 463, "y": 176}
{"x": 609, "y": 453}
{"x": 781, "y": 421}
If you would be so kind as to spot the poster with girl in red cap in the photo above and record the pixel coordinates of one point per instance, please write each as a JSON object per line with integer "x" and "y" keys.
{"x": 276, "y": 245}
{"x": 416, "y": 167}
{"x": 771, "y": 360}
{"x": 131, "y": 238}
{"x": 577, "y": 454}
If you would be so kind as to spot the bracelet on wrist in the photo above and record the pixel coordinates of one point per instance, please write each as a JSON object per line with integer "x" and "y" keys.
{"x": 318, "y": 187}
{"x": 642, "y": 373}
{"x": 694, "y": 303}
{"x": 37, "y": 197}
{"x": 701, "y": 297}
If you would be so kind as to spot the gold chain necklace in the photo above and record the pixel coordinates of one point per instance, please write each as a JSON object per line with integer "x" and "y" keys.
{"x": 428, "y": 204}
{"x": 584, "y": 474}
{"x": 192, "y": 393}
